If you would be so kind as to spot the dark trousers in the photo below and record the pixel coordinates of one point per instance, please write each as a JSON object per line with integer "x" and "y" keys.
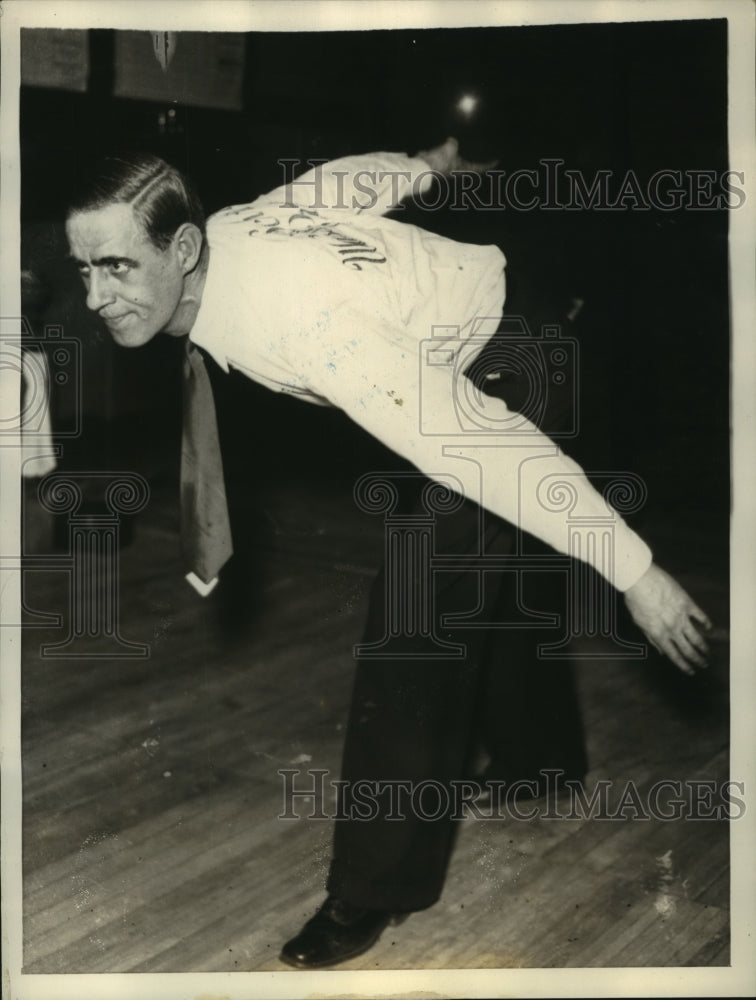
{"x": 418, "y": 723}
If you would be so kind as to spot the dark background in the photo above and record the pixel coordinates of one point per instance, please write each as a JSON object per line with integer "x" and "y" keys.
{"x": 654, "y": 330}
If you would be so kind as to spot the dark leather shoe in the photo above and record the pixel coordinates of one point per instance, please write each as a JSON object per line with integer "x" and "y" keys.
{"x": 337, "y": 932}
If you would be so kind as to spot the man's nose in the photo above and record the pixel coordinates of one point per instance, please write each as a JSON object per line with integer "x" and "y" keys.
{"x": 99, "y": 293}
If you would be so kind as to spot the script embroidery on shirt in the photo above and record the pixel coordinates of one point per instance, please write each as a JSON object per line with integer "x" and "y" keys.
{"x": 306, "y": 223}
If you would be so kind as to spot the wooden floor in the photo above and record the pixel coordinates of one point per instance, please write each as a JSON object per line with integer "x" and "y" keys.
{"x": 152, "y": 841}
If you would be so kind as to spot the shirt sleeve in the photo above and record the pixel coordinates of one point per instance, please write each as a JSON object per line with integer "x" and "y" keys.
{"x": 374, "y": 183}
{"x": 409, "y": 405}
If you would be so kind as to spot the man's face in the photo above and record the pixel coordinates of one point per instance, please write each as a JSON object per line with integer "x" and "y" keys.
{"x": 132, "y": 284}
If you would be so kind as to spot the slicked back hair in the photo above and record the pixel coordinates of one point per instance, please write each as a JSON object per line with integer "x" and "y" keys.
{"x": 162, "y": 198}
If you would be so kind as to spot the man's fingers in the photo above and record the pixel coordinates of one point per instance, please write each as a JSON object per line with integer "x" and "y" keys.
{"x": 689, "y": 651}
{"x": 672, "y": 652}
{"x": 681, "y": 651}
{"x": 685, "y": 648}
{"x": 479, "y": 168}
{"x": 695, "y": 638}
{"x": 695, "y": 612}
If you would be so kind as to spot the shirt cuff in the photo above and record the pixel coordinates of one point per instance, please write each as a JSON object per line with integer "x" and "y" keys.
{"x": 632, "y": 558}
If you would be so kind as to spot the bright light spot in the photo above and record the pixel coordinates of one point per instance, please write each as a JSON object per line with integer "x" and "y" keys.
{"x": 467, "y": 104}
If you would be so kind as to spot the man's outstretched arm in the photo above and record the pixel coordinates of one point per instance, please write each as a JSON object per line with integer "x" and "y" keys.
{"x": 661, "y": 608}
{"x": 374, "y": 182}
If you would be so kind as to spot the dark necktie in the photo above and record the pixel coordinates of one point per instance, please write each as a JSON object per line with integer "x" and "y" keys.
{"x": 205, "y": 524}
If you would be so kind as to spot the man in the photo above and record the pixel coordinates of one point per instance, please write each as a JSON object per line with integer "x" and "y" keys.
{"x": 310, "y": 290}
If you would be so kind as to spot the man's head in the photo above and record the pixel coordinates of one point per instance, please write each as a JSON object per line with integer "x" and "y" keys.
{"x": 136, "y": 232}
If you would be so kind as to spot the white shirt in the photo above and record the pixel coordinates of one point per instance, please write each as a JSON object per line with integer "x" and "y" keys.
{"x": 310, "y": 290}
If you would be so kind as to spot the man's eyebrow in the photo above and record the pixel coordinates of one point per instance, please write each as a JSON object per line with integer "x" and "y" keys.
{"x": 105, "y": 261}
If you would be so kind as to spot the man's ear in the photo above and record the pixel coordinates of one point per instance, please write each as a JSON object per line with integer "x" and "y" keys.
{"x": 188, "y": 241}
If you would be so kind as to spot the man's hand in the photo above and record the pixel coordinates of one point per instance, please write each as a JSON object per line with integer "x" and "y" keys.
{"x": 445, "y": 159}
{"x": 666, "y": 615}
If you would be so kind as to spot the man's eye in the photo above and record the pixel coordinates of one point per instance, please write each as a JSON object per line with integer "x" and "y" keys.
{"x": 118, "y": 267}
{"x": 84, "y": 271}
